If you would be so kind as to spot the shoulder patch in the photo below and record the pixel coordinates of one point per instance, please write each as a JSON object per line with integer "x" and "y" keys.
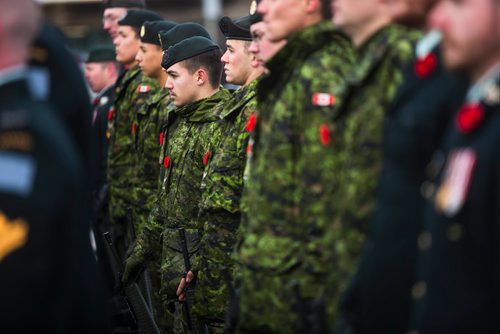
{"x": 323, "y": 99}
{"x": 143, "y": 88}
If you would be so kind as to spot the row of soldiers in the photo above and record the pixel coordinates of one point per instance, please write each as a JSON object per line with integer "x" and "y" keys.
{"x": 349, "y": 184}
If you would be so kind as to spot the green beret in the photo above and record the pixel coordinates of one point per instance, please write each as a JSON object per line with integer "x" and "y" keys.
{"x": 237, "y": 29}
{"x": 151, "y": 29}
{"x": 188, "y": 48}
{"x": 124, "y": 3}
{"x": 180, "y": 32}
{"x": 101, "y": 54}
{"x": 136, "y": 17}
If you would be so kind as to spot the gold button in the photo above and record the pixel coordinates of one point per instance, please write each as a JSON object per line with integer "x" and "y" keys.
{"x": 455, "y": 232}
{"x": 424, "y": 241}
{"x": 427, "y": 189}
{"x": 418, "y": 290}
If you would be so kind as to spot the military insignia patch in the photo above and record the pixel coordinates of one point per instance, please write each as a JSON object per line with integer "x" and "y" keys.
{"x": 492, "y": 95}
{"x": 143, "y": 31}
{"x": 253, "y": 7}
{"x": 323, "y": 99}
{"x": 13, "y": 235}
{"x": 143, "y": 88}
{"x": 454, "y": 187}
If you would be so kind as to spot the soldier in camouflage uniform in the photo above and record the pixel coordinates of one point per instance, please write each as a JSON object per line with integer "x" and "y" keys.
{"x": 194, "y": 73}
{"x": 132, "y": 89}
{"x": 222, "y": 182}
{"x": 147, "y": 125}
{"x": 284, "y": 258}
{"x": 383, "y": 50}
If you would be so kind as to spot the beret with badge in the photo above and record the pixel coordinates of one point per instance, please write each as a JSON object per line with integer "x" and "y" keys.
{"x": 188, "y": 48}
{"x": 151, "y": 29}
{"x": 136, "y": 17}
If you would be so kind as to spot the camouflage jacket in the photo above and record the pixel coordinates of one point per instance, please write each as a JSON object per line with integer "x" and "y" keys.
{"x": 287, "y": 210}
{"x": 186, "y": 141}
{"x": 220, "y": 213}
{"x": 131, "y": 91}
{"x": 147, "y": 140}
{"x": 356, "y": 138}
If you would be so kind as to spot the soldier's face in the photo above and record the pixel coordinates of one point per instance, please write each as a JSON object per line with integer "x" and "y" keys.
{"x": 283, "y": 17}
{"x": 110, "y": 20}
{"x": 351, "y": 16}
{"x": 149, "y": 59}
{"x": 181, "y": 85}
{"x": 237, "y": 62}
{"x": 126, "y": 45}
{"x": 261, "y": 46}
{"x": 471, "y": 33}
{"x": 96, "y": 76}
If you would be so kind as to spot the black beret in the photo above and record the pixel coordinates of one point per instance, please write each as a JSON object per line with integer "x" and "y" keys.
{"x": 237, "y": 29}
{"x": 136, "y": 17}
{"x": 101, "y": 54}
{"x": 151, "y": 29}
{"x": 180, "y": 32}
{"x": 124, "y": 3}
{"x": 188, "y": 48}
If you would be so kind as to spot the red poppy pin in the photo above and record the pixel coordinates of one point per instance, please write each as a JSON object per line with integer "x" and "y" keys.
{"x": 161, "y": 138}
{"x": 110, "y": 114}
{"x": 469, "y": 117}
{"x": 324, "y": 134}
{"x": 166, "y": 162}
{"x": 252, "y": 120}
{"x": 249, "y": 148}
{"x": 323, "y": 99}
{"x": 206, "y": 157}
{"x": 134, "y": 128}
{"x": 426, "y": 65}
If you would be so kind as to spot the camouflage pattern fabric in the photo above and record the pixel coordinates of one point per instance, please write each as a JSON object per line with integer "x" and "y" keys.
{"x": 220, "y": 212}
{"x": 285, "y": 196}
{"x": 130, "y": 95}
{"x": 356, "y": 133}
{"x": 186, "y": 141}
{"x": 148, "y": 123}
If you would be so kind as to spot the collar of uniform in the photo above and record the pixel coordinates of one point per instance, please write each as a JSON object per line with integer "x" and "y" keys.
{"x": 374, "y": 50}
{"x": 13, "y": 73}
{"x": 238, "y": 100}
{"x": 105, "y": 91}
{"x": 158, "y": 96}
{"x": 201, "y": 111}
{"x": 480, "y": 88}
{"x": 299, "y": 46}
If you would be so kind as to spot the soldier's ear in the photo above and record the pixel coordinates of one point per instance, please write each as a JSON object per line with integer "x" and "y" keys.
{"x": 201, "y": 77}
{"x": 312, "y": 6}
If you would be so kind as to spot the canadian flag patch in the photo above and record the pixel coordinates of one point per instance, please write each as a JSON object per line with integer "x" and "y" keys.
{"x": 323, "y": 99}
{"x": 143, "y": 88}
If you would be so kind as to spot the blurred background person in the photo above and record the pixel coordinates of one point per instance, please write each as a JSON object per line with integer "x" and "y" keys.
{"x": 48, "y": 276}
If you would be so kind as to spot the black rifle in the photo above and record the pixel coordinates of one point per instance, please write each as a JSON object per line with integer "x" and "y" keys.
{"x": 133, "y": 295}
{"x": 188, "y": 301}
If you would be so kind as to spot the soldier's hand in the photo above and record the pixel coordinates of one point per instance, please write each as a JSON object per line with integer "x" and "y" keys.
{"x": 181, "y": 290}
{"x": 133, "y": 268}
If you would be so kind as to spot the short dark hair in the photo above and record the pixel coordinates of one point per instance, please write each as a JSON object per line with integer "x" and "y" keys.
{"x": 326, "y": 10}
{"x": 209, "y": 61}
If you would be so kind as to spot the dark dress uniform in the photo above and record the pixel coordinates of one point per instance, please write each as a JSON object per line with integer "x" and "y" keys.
{"x": 458, "y": 266}
{"x": 378, "y": 299}
{"x": 102, "y": 105}
{"x": 48, "y": 276}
